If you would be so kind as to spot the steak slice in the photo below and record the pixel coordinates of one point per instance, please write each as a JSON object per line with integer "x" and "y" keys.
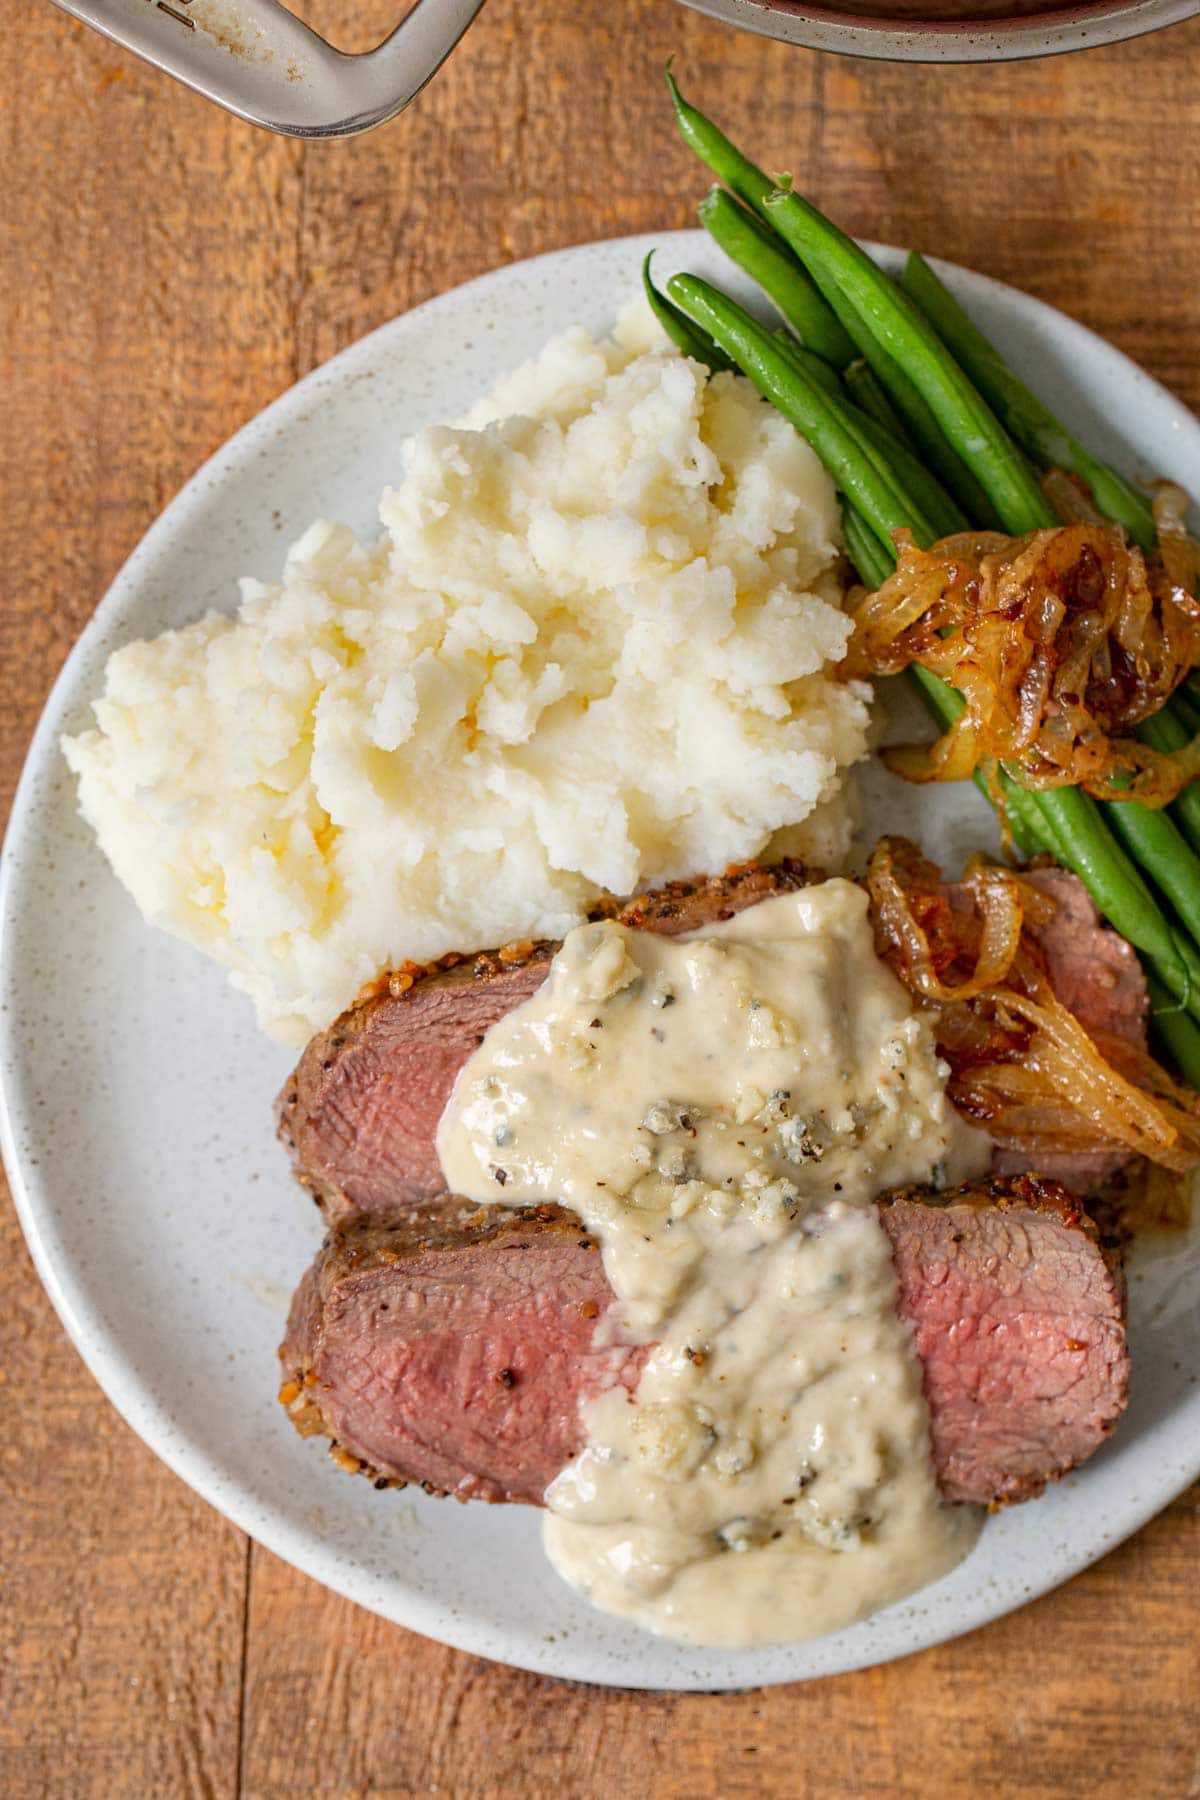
{"x": 1096, "y": 975}
{"x": 453, "y": 1346}
{"x": 360, "y": 1113}
{"x": 1018, "y": 1317}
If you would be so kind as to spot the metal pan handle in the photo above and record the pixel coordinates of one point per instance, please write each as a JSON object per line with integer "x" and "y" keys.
{"x": 262, "y": 63}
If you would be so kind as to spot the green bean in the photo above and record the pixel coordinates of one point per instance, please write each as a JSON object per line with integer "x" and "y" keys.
{"x": 680, "y": 329}
{"x": 1066, "y": 818}
{"x": 944, "y": 703}
{"x": 751, "y": 185}
{"x": 1185, "y": 711}
{"x": 1073, "y": 829}
{"x": 1083, "y": 845}
{"x": 814, "y": 366}
{"x": 919, "y": 420}
{"x": 867, "y": 391}
{"x": 816, "y": 414}
{"x": 1166, "y": 733}
{"x": 765, "y": 257}
{"x": 926, "y": 496}
{"x": 1120, "y": 892}
{"x": 1028, "y": 824}
{"x": 1052, "y": 446}
{"x": 1033, "y": 425}
{"x": 1176, "y": 1029}
{"x": 901, "y": 329}
{"x": 929, "y": 496}
{"x": 864, "y": 549}
{"x": 905, "y": 495}
{"x": 1160, "y": 849}
{"x": 726, "y": 161}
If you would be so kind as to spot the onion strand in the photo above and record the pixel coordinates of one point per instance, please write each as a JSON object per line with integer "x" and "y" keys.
{"x": 1061, "y": 643}
{"x": 1022, "y": 1064}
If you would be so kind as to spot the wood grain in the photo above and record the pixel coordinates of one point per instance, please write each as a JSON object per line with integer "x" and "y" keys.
{"x": 164, "y": 272}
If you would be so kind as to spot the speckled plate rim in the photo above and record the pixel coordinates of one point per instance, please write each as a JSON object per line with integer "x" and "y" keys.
{"x": 1103, "y": 1511}
{"x": 1052, "y": 33}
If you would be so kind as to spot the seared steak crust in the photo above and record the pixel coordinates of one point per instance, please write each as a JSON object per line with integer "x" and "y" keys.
{"x": 452, "y": 1346}
{"x": 359, "y": 1115}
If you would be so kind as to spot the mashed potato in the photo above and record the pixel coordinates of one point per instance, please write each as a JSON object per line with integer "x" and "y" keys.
{"x": 591, "y": 651}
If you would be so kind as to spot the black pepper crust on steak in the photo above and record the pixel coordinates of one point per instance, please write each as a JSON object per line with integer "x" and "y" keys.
{"x": 452, "y": 1346}
{"x": 359, "y": 1114}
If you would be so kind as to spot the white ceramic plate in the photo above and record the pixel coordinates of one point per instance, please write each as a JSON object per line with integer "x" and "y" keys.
{"x": 136, "y": 1116}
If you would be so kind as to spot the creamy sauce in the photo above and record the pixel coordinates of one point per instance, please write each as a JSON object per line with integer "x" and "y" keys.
{"x": 721, "y": 1109}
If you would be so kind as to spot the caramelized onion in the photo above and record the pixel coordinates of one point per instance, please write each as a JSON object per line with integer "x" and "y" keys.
{"x": 1178, "y": 553}
{"x": 1060, "y": 643}
{"x": 1070, "y": 497}
{"x": 900, "y": 879}
{"x": 1022, "y": 1065}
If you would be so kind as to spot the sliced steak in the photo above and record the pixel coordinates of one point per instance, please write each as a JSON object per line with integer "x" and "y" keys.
{"x": 1095, "y": 972}
{"x": 1018, "y": 1318}
{"x": 1096, "y": 975}
{"x": 360, "y": 1114}
{"x": 452, "y": 1347}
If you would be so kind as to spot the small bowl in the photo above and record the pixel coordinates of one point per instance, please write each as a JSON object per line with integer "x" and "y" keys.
{"x": 983, "y": 32}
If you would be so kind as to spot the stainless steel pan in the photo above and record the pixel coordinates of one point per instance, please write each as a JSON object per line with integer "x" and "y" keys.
{"x": 260, "y": 61}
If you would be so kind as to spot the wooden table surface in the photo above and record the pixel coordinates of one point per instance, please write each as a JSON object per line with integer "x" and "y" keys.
{"x": 166, "y": 271}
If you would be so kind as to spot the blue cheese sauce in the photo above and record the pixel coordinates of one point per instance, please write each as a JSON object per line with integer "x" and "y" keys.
{"x": 722, "y": 1109}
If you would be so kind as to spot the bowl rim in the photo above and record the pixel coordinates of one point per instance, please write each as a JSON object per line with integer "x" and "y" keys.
{"x": 1085, "y": 25}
